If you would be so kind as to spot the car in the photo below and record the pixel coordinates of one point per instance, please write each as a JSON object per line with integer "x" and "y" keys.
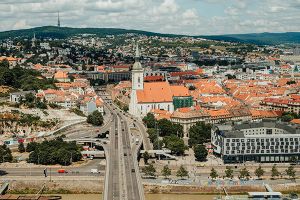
{"x": 125, "y": 154}
{"x": 132, "y": 170}
{"x": 62, "y": 171}
{"x": 95, "y": 171}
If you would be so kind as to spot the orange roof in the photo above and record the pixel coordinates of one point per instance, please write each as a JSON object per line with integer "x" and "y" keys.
{"x": 219, "y": 113}
{"x": 160, "y": 92}
{"x": 154, "y": 78}
{"x": 161, "y": 114}
{"x": 264, "y": 113}
{"x": 61, "y": 75}
{"x": 296, "y": 121}
{"x": 10, "y": 59}
{"x": 38, "y": 66}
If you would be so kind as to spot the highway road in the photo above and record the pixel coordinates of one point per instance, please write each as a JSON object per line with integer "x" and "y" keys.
{"x": 84, "y": 170}
{"x": 122, "y": 170}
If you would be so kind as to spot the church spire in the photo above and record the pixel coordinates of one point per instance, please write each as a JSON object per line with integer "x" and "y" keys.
{"x": 137, "y": 53}
{"x": 137, "y": 65}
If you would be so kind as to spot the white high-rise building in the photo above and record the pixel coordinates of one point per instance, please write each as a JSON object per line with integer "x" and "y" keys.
{"x": 137, "y": 83}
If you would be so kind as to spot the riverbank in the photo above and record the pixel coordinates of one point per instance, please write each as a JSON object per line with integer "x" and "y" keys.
{"x": 95, "y": 185}
{"x": 63, "y": 185}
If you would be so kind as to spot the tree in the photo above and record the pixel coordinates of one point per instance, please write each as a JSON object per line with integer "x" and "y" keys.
{"x": 199, "y": 133}
{"x": 167, "y": 128}
{"x": 149, "y": 170}
{"x": 287, "y": 118}
{"x": 182, "y": 172}
{"x": 152, "y": 134}
{"x": 31, "y": 146}
{"x": 200, "y": 152}
{"x": 4, "y": 64}
{"x": 229, "y": 172}
{"x": 146, "y": 157}
{"x": 291, "y": 172}
{"x": 213, "y": 174}
{"x": 21, "y": 147}
{"x": 259, "y": 172}
{"x": 166, "y": 171}
{"x": 95, "y": 118}
{"x": 274, "y": 171}
{"x": 8, "y": 78}
{"x": 192, "y": 87}
{"x": 149, "y": 120}
{"x": 244, "y": 173}
{"x": 5, "y": 154}
{"x": 57, "y": 151}
{"x": 175, "y": 144}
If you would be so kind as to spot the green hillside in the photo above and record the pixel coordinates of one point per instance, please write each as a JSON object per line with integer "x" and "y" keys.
{"x": 64, "y": 32}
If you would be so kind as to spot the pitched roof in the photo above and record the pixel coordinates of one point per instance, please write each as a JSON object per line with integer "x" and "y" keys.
{"x": 160, "y": 92}
{"x": 61, "y": 75}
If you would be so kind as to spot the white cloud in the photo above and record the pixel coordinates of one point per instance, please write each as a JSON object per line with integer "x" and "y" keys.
{"x": 168, "y": 16}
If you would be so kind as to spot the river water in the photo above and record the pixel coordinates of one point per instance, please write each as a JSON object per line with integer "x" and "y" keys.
{"x": 148, "y": 197}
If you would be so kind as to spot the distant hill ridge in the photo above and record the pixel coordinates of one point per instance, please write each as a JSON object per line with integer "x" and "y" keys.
{"x": 64, "y": 32}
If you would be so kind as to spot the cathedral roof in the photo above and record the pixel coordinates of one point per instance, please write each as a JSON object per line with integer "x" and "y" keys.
{"x": 158, "y": 92}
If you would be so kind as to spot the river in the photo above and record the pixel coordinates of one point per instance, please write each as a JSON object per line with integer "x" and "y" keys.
{"x": 148, "y": 197}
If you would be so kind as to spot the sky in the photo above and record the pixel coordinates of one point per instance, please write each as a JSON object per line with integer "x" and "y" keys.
{"x": 191, "y": 17}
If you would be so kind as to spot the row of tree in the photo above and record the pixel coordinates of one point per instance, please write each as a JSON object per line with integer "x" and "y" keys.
{"x": 259, "y": 172}
{"x": 166, "y": 172}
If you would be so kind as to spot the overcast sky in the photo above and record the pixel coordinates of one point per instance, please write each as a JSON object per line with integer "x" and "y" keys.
{"x": 193, "y": 17}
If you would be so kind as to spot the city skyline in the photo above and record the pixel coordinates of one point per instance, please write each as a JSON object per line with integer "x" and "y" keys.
{"x": 192, "y": 17}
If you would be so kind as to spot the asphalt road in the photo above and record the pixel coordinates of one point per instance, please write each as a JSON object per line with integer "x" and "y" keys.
{"x": 122, "y": 177}
{"x": 113, "y": 190}
{"x": 84, "y": 170}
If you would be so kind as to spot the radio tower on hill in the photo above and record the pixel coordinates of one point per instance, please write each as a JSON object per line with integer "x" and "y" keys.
{"x": 58, "y": 20}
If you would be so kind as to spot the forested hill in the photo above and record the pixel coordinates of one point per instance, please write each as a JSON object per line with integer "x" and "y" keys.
{"x": 260, "y": 38}
{"x": 64, "y": 32}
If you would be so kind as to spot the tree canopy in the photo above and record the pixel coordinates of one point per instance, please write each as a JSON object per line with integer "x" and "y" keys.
{"x": 259, "y": 172}
{"x": 213, "y": 173}
{"x": 244, "y": 173}
{"x": 274, "y": 171}
{"x": 182, "y": 172}
{"x": 167, "y": 128}
{"x": 25, "y": 79}
{"x": 149, "y": 170}
{"x": 149, "y": 120}
{"x": 199, "y": 133}
{"x": 54, "y": 152}
{"x": 166, "y": 171}
{"x": 175, "y": 144}
{"x": 200, "y": 152}
{"x": 95, "y": 118}
{"x": 5, "y": 154}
